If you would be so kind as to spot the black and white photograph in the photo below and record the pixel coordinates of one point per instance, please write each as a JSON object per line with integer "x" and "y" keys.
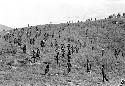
{"x": 62, "y": 42}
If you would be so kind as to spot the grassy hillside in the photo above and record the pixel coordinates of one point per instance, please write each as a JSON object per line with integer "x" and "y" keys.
{"x": 3, "y": 27}
{"x": 90, "y": 53}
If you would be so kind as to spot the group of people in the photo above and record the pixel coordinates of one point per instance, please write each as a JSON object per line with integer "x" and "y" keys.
{"x": 66, "y": 50}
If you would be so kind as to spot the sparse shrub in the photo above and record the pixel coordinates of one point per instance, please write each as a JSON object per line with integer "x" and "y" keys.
{"x": 123, "y": 15}
{"x": 118, "y": 15}
{"x": 110, "y": 17}
{"x": 114, "y": 22}
{"x": 65, "y": 55}
{"x": 121, "y": 22}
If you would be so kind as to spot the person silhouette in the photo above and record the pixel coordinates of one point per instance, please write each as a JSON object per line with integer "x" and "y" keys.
{"x": 104, "y": 75}
{"x": 47, "y": 67}
{"x": 38, "y": 53}
{"x": 42, "y": 43}
{"x": 57, "y": 58}
{"x": 24, "y": 48}
{"x": 69, "y": 67}
{"x": 88, "y": 69}
{"x": 33, "y": 57}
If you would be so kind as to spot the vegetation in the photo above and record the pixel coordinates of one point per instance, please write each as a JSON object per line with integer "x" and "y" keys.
{"x": 49, "y": 54}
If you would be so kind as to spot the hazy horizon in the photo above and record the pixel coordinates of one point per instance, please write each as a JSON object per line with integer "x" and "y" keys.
{"x": 20, "y": 13}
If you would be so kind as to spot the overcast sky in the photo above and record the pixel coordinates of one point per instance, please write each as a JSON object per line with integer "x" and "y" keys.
{"x": 20, "y": 13}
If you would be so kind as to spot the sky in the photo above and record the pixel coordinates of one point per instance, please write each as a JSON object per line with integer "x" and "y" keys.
{"x": 20, "y": 13}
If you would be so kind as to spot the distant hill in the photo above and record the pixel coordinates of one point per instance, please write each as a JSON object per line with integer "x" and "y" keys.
{"x": 3, "y": 27}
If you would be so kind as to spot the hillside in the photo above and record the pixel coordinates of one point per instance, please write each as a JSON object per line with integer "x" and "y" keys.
{"x": 90, "y": 53}
{"x": 3, "y": 27}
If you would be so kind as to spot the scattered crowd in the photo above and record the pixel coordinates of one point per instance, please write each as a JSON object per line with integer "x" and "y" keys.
{"x": 37, "y": 37}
